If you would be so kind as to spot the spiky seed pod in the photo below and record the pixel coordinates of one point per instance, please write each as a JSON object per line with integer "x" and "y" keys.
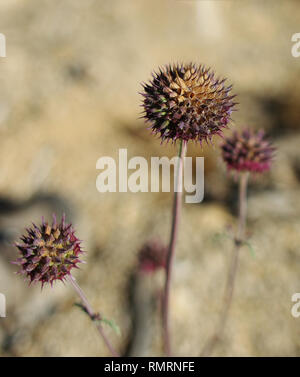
{"x": 187, "y": 102}
{"x": 248, "y": 151}
{"x": 152, "y": 256}
{"x": 49, "y": 252}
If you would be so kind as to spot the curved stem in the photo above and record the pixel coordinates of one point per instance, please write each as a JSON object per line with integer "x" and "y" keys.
{"x": 171, "y": 251}
{"x": 91, "y": 313}
{"x": 238, "y": 242}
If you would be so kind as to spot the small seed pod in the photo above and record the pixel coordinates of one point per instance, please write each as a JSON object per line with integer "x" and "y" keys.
{"x": 152, "y": 256}
{"x": 48, "y": 252}
{"x": 248, "y": 151}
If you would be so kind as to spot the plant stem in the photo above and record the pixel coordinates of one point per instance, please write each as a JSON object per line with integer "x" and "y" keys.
{"x": 238, "y": 242}
{"x": 242, "y": 206}
{"x": 171, "y": 251}
{"x": 91, "y": 313}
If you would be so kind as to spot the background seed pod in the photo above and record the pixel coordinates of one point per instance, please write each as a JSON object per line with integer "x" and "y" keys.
{"x": 248, "y": 151}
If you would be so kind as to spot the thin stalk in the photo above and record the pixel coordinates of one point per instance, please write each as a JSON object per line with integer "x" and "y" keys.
{"x": 242, "y": 206}
{"x": 171, "y": 251}
{"x": 92, "y": 314}
{"x": 238, "y": 242}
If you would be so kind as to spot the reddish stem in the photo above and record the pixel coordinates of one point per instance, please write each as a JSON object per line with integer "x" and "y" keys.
{"x": 171, "y": 251}
{"x": 238, "y": 242}
{"x": 92, "y": 314}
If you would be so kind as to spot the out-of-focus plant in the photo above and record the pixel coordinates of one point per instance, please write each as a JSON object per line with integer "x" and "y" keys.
{"x": 244, "y": 153}
{"x": 152, "y": 256}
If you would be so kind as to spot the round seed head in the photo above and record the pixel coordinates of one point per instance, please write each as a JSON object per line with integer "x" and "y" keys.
{"x": 248, "y": 151}
{"x": 187, "y": 102}
{"x": 48, "y": 252}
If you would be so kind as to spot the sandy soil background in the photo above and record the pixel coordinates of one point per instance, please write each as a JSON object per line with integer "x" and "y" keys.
{"x": 69, "y": 95}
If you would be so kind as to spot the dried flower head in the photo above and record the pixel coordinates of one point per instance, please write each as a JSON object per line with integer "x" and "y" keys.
{"x": 152, "y": 256}
{"x": 187, "y": 102}
{"x": 248, "y": 151}
{"x": 49, "y": 252}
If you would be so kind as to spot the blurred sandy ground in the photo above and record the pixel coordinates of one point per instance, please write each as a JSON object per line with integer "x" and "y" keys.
{"x": 69, "y": 95}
